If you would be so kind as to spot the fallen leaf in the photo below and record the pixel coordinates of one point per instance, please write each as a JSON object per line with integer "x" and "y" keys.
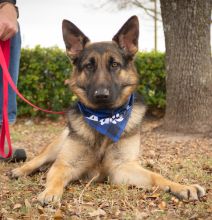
{"x": 88, "y": 208}
{"x": 17, "y": 206}
{"x": 26, "y": 217}
{"x": 98, "y": 212}
{"x": 89, "y": 203}
{"x": 153, "y": 196}
{"x": 43, "y": 217}
{"x": 162, "y": 205}
{"x": 152, "y": 204}
{"x": 58, "y": 215}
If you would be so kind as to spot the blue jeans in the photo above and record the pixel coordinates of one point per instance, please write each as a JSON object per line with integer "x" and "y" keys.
{"x": 15, "y": 53}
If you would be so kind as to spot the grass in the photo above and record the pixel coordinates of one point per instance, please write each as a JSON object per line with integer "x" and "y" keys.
{"x": 186, "y": 159}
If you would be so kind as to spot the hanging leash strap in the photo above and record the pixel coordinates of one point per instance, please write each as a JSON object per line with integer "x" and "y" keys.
{"x": 4, "y": 59}
{"x": 4, "y": 62}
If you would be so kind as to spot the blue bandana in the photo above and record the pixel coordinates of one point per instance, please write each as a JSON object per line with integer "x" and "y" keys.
{"x": 108, "y": 122}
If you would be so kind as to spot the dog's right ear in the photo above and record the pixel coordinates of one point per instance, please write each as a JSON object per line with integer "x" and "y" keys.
{"x": 74, "y": 39}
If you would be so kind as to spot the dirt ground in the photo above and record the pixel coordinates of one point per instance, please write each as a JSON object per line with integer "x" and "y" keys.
{"x": 182, "y": 158}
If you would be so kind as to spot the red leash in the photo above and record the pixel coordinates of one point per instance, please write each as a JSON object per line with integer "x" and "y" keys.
{"x": 4, "y": 59}
{"x": 4, "y": 62}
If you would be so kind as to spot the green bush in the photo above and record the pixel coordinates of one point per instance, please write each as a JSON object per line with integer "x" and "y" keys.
{"x": 151, "y": 69}
{"x": 43, "y": 72}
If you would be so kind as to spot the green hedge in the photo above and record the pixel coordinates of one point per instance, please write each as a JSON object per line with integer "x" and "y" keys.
{"x": 151, "y": 69}
{"x": 43, "y": 72}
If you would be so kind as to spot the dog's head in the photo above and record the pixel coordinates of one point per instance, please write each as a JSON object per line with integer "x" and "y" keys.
{"x": 104, "y": 75}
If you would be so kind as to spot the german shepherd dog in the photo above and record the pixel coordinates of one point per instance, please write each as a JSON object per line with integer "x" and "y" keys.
{"x": 104, "y": 77}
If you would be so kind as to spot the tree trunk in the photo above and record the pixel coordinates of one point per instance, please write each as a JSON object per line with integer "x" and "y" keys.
{"x": 188, "y": 65}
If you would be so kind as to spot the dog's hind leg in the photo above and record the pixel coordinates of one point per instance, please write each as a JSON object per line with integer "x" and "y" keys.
{"x": 47, "y": 155}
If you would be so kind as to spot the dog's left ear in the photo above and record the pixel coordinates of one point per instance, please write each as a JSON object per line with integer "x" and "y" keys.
{"x": 74, "y": 39}
{"x": 127, "y": 36}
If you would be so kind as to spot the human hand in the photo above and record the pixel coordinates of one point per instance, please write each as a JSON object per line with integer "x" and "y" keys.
{"x": 8, "y": 21}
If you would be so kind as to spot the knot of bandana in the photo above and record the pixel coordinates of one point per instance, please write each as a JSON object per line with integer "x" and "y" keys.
{"x": 108, "y": 122}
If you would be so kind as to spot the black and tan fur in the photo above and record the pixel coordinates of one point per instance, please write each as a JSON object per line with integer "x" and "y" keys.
{"x": 104, "y": 76}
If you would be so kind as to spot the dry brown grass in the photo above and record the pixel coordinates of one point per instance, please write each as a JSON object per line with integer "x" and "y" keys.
{"x": 186, "y": 159}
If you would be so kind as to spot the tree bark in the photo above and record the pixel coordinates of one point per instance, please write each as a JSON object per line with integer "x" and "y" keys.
{"x": 188, "y": 65}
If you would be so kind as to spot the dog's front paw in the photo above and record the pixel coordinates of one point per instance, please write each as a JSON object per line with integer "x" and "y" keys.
{"x": 16, "y": 173}
{"x": 191, "y": 192}
{"x": 49, "y": 196}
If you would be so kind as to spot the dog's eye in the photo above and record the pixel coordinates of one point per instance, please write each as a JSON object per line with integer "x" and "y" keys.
{"x": 89, "y": 67}
{"x": 115, "y": 65}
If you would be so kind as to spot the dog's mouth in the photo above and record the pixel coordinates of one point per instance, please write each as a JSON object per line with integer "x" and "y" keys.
{"x": 104, "y": 105}
{"x": 103, "y": 102}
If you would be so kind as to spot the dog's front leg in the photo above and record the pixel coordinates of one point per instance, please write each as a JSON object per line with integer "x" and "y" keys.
{"x": 73, "y": 161}
{"x": 188, "y": 192}
{"x": 47, "y": 155}
{"x": 57, "y": 178}
{"x": 132, "y": 173}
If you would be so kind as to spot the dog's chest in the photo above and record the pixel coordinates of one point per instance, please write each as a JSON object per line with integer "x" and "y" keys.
{"x": 100, "y": 147}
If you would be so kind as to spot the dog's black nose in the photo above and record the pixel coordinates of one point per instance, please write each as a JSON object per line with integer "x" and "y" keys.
{"x": 102, "y": 94}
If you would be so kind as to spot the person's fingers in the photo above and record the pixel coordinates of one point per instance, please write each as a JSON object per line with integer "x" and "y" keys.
{"x": 7, "y": 32}
{"x": 7, "y": 36}
{"x": 2, "y": 30}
